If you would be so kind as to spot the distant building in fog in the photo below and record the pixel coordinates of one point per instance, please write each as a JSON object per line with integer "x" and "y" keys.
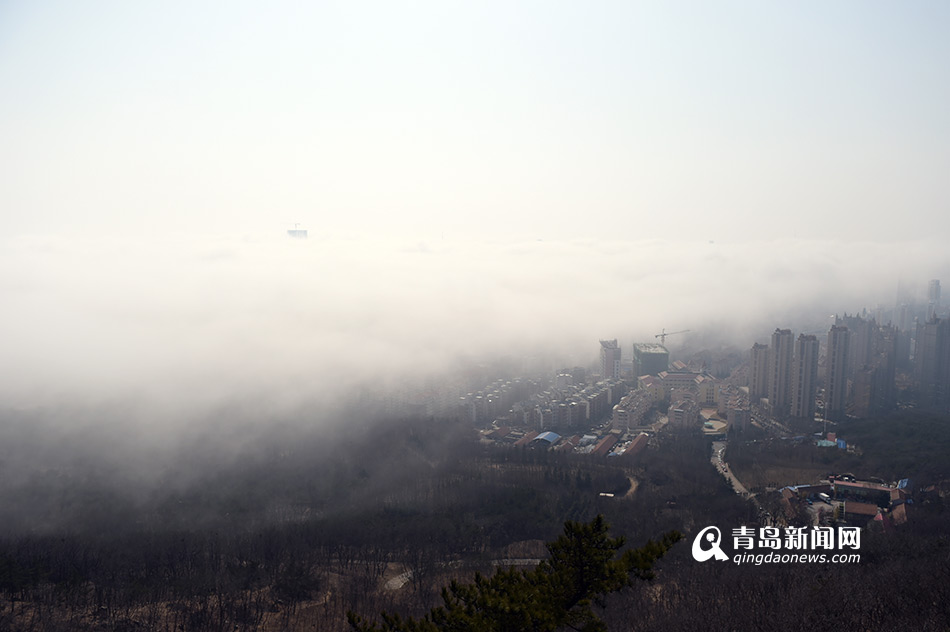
{"x": 932, "y": 363}
{"x": 860, "y": 341}
{"x": 870, "y": 366}
{"x": 933, "y": 298}
{"x": 297, "y": 233}
{"x": 609, "y": 360}
{"x": 905, "y": 317}
{"x": 804, "y": 377}
{"x": 836, "y": 391}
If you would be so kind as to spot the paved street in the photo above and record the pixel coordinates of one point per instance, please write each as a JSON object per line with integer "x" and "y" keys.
{"x": 719, "y": 448}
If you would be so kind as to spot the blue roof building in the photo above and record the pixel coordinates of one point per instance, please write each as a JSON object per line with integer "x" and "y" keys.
{"x": 550, "y": 437}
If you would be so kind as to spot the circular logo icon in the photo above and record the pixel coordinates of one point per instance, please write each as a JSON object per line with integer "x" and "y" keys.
{"x": 712, "y": 536}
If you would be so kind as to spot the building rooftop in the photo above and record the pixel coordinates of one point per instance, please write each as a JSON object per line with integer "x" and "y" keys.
{"x": 499, "y": 433}
{"x": 527, "y": 438}
{"x": 640, "y": 440}
{"x": 861, "y": 509}
{"x": 863, "y": 485}
{"x": 605, "y": 445}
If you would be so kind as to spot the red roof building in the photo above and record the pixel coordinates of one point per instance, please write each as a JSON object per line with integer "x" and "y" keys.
{"x": 605, "y": 445}
{"x": 859, "y": 513}
{"x": 637, "y": 445}
{"x": 526, "y": 439}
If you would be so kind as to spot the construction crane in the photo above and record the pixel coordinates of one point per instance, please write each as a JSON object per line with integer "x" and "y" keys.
{"x": 662, "y": 336}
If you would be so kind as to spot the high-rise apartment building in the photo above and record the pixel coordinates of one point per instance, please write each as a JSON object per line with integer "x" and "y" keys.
{"x": 932, "y": 363}
{"x": 609, "y": 360}
{"x": 780, "y": 370}
{"x": 885, "y": 362}
{"x": 836, "y": 390}
{"x": 860, "y": 341}
{"x": 804, "y": 376}
{"x": 933, "y": 298}
{"x": 759, "y": 372}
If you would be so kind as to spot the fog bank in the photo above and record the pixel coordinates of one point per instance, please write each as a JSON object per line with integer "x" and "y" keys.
{"x": 191, "y": 322}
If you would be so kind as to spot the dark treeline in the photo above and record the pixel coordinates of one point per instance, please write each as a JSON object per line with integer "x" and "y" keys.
{"x": 305, "y": 526}
{"x": 902, "y": 583}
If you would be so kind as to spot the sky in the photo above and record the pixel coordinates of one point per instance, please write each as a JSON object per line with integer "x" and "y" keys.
{"x": 552, "y": 120}
{"x": 476, "y": 178}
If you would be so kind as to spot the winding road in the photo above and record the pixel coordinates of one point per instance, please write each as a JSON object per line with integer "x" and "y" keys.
{"x": 719, "y": 447}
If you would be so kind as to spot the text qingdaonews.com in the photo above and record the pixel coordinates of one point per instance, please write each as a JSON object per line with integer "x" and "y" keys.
{"x": 801, "y": 558}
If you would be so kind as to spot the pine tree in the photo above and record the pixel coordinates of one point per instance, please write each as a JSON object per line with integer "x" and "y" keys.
{"x": 585, "y": 565}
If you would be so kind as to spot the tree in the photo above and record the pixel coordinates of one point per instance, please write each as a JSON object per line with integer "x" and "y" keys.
{"x": 585, "y": 565}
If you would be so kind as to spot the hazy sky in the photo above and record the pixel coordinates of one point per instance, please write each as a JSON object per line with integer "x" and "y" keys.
{"x": 722, "y": 120}
{"x": 477, "y": 178}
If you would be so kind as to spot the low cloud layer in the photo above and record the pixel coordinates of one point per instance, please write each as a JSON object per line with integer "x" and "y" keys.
{"x": 188, "y": 323}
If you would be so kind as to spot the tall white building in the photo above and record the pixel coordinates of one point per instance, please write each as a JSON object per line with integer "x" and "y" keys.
{"x": 759, "y": 372}
{"x": 805, "y": 376}
{"x": 780, "y": 370}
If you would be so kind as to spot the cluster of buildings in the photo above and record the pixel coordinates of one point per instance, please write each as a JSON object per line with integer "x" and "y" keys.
{"x": 856, "y": 367}
{"x": 619, "y": 403}
{"x": 654, "y": 381}
{"x": 559, "y": 406}
{"x": 572, "y": 407}
{"x": 495, "y": 400}
{"x": 852, "y": 370}
{"x": 623, "y": 397}
{"x": 857, "y": 364}
{"x": 854, "y": 502}
{"x": 685, "y": 392}
{"x": 922, "y": 345}
{"x": 611, "y": 444}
